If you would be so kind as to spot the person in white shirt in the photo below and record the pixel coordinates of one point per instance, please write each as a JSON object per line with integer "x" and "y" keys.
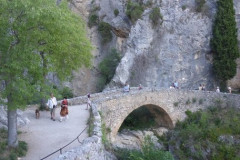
{"x": 52, "y": 104}
{"x": 218, "y": 90}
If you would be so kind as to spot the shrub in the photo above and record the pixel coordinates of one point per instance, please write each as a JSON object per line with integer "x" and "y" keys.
{"x": 199, "y": 5}
{"x": 105, "y": 32}
{"x": 107, "y": 67}
{"x": 184, "y": 7}
{"x": 93, "y": 20}
{"x": 155, "y": 16}
{"x": 201, "y": 131}
{"x": 116, "y": 12}
{"x": 134, "y": 11}
{"x": 66, "y": 92}
{"x": 194, "y": 100}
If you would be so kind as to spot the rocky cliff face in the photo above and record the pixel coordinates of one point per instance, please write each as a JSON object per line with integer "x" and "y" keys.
{"x": 178, "y": 49}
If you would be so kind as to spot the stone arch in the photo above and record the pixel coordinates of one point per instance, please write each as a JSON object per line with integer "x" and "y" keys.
{"x": 162, "y": 118}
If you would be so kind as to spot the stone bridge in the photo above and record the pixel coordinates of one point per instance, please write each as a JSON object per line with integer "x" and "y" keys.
{"x": 167, "y": 105}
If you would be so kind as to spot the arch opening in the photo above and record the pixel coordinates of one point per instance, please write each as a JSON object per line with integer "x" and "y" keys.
{"x": 145, "y": 117}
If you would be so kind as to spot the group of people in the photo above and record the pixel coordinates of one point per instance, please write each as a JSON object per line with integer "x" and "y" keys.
{"x": 52, "y": 104}
{"x": 202, "y": 87}
{"x": 229, "y": 89}
{"x": 126, "y": 87}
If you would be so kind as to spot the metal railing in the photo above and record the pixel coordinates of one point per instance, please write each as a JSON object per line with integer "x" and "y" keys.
{"x": 60, "y": 150}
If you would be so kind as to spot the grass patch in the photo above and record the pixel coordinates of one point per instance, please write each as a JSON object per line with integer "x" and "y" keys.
{"x": 116, "y": 12}
{"x": 11, "y": 154}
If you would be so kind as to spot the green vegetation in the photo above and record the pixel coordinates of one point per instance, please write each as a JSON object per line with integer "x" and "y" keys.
{"x": 176, "y": 104}
{"x": 105, "y": 32}
{"x": 90, "y": 123}
{"x": 11, "y": 154}
{"x": 194, "y": 100}
{"x": 134, "y": 11}
{"x": 188, "y": 102}
{"x": 93, "y": 20}
{"x": 116, "y": 12}
{"x": 155, "y": 16}
{"x": 184, "y": 7}
{"x": 201, "y": 135}
{"x": 139, "y": 119}
{"x": 107, "y": 68}
{"x": 37, "y": 37}
{"x": 224, "y": 43}
{"x": 199, "y": 5}
{"x": 148, "y": 152}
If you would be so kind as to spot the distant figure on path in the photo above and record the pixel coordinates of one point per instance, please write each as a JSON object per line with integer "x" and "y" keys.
{"x": 64, "y": 109}
{"x": 140, "y": 87}
{"x": 88, "y": 101}
{"x": 200, "y": 87}
{"x": 126, "y": 88}
{"x": 229, "y": 89}
{"x": 175, "y": 84}
{"x": 203, "y": 87}
{"x": 52, "y": 104}
{"x": 218, "y": 90}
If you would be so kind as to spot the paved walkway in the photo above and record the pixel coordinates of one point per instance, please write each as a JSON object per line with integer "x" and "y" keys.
{"x": 45, "y": 136}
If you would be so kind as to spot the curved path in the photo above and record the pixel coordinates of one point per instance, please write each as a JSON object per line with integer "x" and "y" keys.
{"x": 45, "y": 136}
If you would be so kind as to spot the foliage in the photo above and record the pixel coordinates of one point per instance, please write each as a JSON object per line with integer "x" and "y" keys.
{"x": 224, "y": 43}
{"x": 199, "y": 5}
{"x": 90, "y": 123}
{"x": 139, "y": 119}
{"x": 38, "y": 37}
{"x": 184, "y": 7}
{"x": 105, "y": 32}
{"x": 201, "y": 132}
{"x": 116, "y": 12}
{"x": 93, "y": 20}
{"x": 134, "y": 10}
{"x": 108, "y": 66}
{"x": 148, "y": 152}
{"x": 66, "y": 92}
{"x": 6, "y": 153}
{"x": 155, "y": 15}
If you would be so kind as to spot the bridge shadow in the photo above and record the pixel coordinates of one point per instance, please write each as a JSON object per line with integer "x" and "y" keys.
{"x": 147, "y": 116}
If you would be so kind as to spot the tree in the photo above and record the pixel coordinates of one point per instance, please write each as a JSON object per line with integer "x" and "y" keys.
{"x": 37, "y": 37}
{"x": 224, "y": 43}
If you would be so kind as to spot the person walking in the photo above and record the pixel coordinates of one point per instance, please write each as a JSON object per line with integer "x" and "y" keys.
{"x": 88, "y": 101}
{"x": 52, "y": 104}
{"x": 229, "y": 89}
{"x": 218, "y": 90}
{"x": 64, "y": 109}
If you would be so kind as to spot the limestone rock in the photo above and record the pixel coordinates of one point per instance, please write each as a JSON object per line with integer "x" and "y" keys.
{"x": 21, "y": 120}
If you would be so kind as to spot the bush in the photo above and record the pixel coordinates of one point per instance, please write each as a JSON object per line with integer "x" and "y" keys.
{"x": 155, "y": 16}
{"x": 66, "y": 92}
{"x": 105, "y": 32}
{"x": 148, "y": 152}
{"x": 199, "y": 5}
{"x": 134, "y": 11}
{"x": 11, "y": 154}
{"x": 116, "y": 12}
{"x": 202, "y": 130}
{"x": 93, "y": 20}
{"x": 107, "y": 67}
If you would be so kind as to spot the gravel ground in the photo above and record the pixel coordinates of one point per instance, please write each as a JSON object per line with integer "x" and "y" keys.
{"x": 45, "y": 136}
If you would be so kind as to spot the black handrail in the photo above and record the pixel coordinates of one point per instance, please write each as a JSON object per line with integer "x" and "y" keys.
{"x": 65, "y": 145}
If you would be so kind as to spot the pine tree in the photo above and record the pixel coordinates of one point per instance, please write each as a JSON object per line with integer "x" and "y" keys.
{"x": 37, "y": 37}
{"x": 224, "y": 43}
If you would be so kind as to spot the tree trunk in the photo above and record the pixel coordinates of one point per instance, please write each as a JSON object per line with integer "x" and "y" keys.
{"x": 12, "y": 128}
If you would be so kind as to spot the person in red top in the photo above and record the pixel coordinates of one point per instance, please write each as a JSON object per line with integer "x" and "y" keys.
{"x": 64, "y": 109}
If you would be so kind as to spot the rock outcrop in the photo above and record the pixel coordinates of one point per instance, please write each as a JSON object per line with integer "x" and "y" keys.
{"x": 21, "y": 120}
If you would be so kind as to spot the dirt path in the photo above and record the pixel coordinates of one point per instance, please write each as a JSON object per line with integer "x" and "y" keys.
{"x": 45, "y": 136}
